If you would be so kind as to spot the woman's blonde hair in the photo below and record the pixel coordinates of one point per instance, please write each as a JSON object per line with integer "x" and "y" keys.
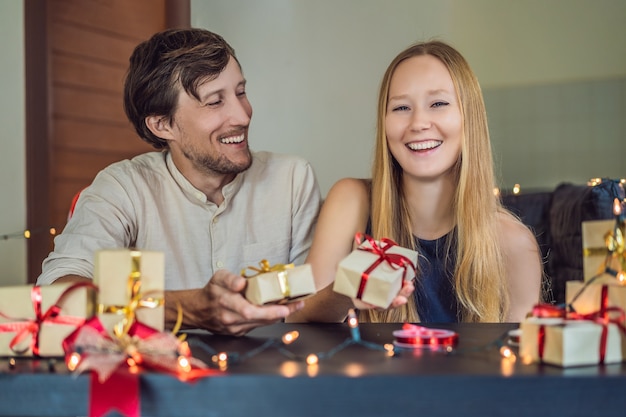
{"x": 479, "y": 275}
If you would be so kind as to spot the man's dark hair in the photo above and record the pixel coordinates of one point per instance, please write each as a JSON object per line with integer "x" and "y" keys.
{"x": 158, "y": 66}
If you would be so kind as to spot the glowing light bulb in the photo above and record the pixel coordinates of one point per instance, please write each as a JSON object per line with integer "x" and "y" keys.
{"x": 184, "y": 364}
{"x": 53, "y": 231}
{"x": 27, "y": 234}
{"x": 312, "y": 359}
{"x": 621, "y": 277}
{"x": 73, "y": 361}
{"x": 389, "y": 349}
{"x": 352, "y": 320}
{"x": 507, "y": 353}
{"x": 290, "y": 337}
{"x": 516, "y": 189}
{"x": 617, "y": 207}
{"x": 496, "y": 192}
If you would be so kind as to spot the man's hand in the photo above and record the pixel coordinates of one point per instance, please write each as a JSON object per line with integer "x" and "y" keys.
{"x": 220, "y": 307}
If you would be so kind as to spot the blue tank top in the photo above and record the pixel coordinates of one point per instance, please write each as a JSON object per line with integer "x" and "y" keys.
{"x": 434, "y": 289}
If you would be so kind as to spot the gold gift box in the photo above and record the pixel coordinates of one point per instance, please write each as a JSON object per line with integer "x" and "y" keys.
{"x": 383, "y": 283}
{"x": 595, "y": 249}
{"x": 16, "y": 303}
{"x": 113, "y": 271}
{"x": 287, "y": 285}
{"x": 569, "y": 342}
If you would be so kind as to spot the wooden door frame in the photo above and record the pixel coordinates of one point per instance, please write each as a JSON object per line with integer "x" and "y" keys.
{"x": 39, "y": 157}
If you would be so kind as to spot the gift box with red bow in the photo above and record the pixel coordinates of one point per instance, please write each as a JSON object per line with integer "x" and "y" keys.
{"x": 131, "y": 284}
{"x": 374, "y": 271}
{"x": 560, "y": 336}
{"x": 279, "y": 283}
{"x": 34, "y": 320}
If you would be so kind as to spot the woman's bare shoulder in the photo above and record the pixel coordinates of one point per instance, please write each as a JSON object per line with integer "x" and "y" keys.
{"x": 350, "y": 189}
{"x": 514, "y": 234}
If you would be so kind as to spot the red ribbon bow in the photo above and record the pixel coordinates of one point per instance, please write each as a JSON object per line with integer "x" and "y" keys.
{"x": 116, "y": 363}
{"x": 32, "y": 327}
{"x": 395, "y": 260}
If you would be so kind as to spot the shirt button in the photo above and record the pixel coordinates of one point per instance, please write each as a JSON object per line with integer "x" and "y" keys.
{"x": 219, "y": 264}
{"x": 214, "y": 220}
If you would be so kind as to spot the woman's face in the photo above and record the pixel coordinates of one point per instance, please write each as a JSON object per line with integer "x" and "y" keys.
{"x": 423, "y": 121}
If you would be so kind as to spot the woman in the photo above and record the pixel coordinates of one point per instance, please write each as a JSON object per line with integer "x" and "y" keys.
{"x": 431, "y": 190}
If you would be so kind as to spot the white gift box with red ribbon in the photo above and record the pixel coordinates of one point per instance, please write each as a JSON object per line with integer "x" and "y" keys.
{"x": 567, "y": 343}
{"x": 374, "y": 271}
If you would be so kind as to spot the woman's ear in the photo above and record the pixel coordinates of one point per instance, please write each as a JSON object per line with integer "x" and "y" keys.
{"x": 160, "y": 127}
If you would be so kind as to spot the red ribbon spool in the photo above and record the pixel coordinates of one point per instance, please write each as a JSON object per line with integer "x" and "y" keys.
{"x": 413, "y": 336}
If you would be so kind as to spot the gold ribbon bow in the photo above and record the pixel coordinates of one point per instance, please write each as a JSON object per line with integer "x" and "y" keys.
{"x": 137, "y": 298}
{"x": 265, "y": 268}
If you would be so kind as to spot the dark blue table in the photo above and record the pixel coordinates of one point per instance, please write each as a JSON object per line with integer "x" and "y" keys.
{"x": 354, "y": 381}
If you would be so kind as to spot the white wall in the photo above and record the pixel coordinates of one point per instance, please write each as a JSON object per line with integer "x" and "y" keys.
{"x": 12, "y": 143}
{"x": 314, "y": 66}
{"x": 513, "y": 42}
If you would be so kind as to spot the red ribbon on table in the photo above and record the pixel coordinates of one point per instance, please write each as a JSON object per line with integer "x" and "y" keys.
{"x": 116, "y": 363}
{"x": 395, "y": 260}
{"x": 418, "y": 336}
{"x": 602, "y": 317}
{"x": 31, "y": 327}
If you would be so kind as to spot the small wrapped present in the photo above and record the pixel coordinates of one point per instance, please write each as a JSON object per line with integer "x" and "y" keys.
{"x": 35, "y": 320}
{"x": 589, "y": 297}
{"x": 131, "y": 284}
{"x": 565, "y": 343}
{"x": 374, "y": 271}
{"x": 279, "y": 283}
{"x": 596, "y": 249}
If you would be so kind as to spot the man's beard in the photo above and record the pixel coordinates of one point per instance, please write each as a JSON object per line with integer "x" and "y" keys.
{"x": 220, "y": 165}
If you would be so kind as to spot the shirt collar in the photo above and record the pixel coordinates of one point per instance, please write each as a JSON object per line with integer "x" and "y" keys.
{"x": 229, "y": 190}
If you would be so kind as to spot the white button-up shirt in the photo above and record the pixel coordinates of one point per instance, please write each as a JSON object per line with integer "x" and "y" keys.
{"x": 268, "y": 212}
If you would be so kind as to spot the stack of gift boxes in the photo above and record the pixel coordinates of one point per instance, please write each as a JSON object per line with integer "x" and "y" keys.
{"x": 127, "y": 286}
{"x": 589, "y": 329}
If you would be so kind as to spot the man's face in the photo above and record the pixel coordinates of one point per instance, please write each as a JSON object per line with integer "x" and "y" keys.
{"x": 212, "y": 134}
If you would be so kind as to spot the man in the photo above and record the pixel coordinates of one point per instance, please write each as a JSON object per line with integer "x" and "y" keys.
{"x": 209, "y": 203}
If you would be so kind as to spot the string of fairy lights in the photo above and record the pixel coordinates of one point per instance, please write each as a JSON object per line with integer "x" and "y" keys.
{"x": 223, "y": 360}
{"x": 27, "y": 234}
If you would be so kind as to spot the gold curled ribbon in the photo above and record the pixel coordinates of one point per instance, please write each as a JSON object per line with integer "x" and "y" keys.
{"x": 282, "y": 274}
{"x": 137, "y": 298}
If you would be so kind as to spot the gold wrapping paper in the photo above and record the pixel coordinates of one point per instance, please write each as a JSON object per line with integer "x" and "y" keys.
{"x": 16, "y": 303}
{"x": 284, "y": 285}
{"x": 123, "y": 275}
{"x": 568, "y": 342}
{"x": 384, "y": 281}
{"x": 595, "y": 250}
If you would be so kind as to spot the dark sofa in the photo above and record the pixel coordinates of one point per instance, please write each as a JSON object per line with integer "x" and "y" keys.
{"x": 555, "y": 217}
